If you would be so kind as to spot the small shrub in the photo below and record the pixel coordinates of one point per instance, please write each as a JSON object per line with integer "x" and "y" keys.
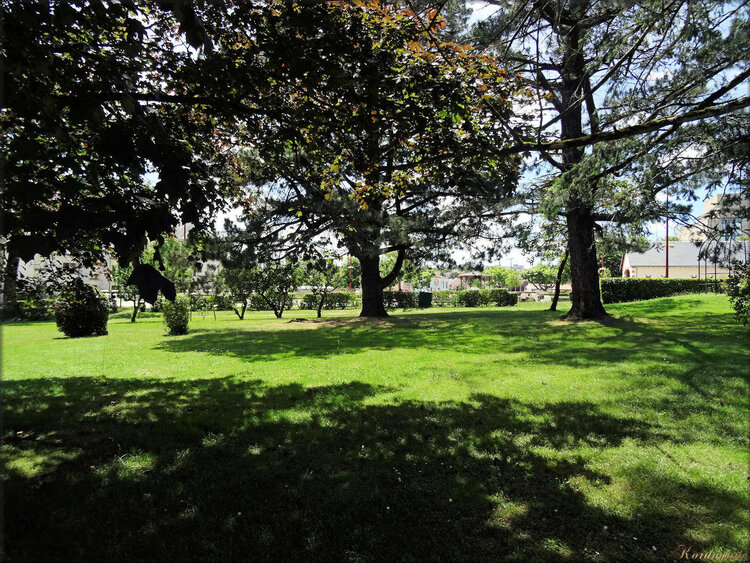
{"x": 738, "y": 289}
{"x": 82, "y": 310}
{"x": 177, "y": 315}
{"x": 400, "y": 299}
{"x": 469, "y": 298}
{"x": 620, "y": 290}
{"x": 444, "y": 298}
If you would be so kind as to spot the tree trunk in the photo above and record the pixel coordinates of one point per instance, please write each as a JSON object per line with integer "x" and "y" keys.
{"x": 10, "y": 280}
{"x": 136, "y": 306}
{"x": 556, "y": 298}
{"x": 240, "y": 315}
{"x": 585, "y": 299}
{"x": 320, "y": 303}
{"x": 372, "y": 287}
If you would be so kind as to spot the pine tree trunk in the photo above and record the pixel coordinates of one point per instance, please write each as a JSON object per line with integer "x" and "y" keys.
{"x": 585, "y": 299}
{"x": 372, "y": 287}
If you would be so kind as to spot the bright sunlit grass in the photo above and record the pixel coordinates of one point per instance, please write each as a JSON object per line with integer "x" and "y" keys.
{"x": 445, "y": 433}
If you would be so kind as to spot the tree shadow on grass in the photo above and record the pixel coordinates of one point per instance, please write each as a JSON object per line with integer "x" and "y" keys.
{"x": 232, "y": 469}
{"x": 539, "y": 333}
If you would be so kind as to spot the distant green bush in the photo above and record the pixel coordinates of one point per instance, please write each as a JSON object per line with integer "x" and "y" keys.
{"x": 177, "y": 314}
{"x": 502, "y": 297}
{"x": 401, "y": 299}
{"x": 620, "y": 290}
{"x": 444, "y": 298}
{"x": 220, "y": 302}
{"x": 198, "y": 303}
{"x": 31, "y": 310}
{"x": 81, "y": 310}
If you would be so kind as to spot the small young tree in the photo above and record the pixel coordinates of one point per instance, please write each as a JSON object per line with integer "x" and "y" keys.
{"x": 540, "y": 276}
{"x": 504, "y": 277}
{"x": 323, "y": 276}
{"x": 120, "y": 276}
{"x": 240, "y": 281}
{"x": 254, "y": 262}
{"x": 273, "y": 282}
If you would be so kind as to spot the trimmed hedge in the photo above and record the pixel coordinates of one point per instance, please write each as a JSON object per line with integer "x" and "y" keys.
{"x": 444, "y": 298}
{"x": 82, "y": 311}
{"x": 620, "y": 290}
{"x": 502, "y": 297}
{"x": 257, "y": 303}
{"x": 471, "y": 298}
{"x": 334, "y": 300}
{"x": 401, "y": 299}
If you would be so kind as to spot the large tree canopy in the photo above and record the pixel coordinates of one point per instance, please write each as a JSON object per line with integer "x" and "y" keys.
{"x": 647, "y": 90}
{"x": 379, "y": 141}
{"x": 89, "y": 109}
{"x": 347, "y": 109}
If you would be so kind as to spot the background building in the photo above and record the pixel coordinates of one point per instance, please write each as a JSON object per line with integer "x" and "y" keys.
{"x": 684, "y": 260}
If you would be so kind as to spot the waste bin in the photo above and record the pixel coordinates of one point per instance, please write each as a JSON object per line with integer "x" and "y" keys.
{"x": 425, "y": 299}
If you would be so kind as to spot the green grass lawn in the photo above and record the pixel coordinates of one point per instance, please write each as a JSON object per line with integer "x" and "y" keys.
{"x": 441, "y": 434}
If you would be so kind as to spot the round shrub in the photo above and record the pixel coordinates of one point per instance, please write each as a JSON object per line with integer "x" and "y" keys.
{"x": 177, "y": 314}
{"x": 738, "y": 288}
{"x": 82, "y": 310}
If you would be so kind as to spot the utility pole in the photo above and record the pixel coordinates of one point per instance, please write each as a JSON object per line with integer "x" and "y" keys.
{"x": 666, "y": 273}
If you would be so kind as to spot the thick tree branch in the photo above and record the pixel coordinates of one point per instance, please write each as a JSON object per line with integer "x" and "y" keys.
{"x": 390, "y": 278}
{"x": 617, "y": 134}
